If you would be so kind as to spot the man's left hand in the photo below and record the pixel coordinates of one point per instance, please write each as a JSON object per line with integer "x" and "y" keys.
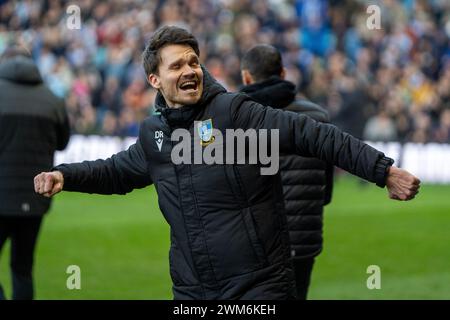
{"x": 401, "y": 184}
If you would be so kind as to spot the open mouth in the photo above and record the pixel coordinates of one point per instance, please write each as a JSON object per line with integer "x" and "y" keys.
{"x": 189, "y": 86}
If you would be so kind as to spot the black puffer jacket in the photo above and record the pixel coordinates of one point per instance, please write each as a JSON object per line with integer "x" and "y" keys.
{"x": 307, "y": 182}
{"x": 228, "y": 228}
{"x": 33, "y": 124}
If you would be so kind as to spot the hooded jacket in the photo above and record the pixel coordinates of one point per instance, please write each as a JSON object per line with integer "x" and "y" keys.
{"x": 33, "y": 124}
{"x": 229, "y": 238}
{"x": 307, "y": 182}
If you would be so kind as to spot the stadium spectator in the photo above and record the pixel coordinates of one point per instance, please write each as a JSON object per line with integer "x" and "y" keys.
{"x": 33, "y": 124}
{"x": 380, "y": 128}
{"x": 307, "y": 182}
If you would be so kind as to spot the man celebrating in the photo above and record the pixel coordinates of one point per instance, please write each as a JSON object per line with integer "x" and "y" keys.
{"x": 307, "y": 182}
{"x": 228, "y": 230}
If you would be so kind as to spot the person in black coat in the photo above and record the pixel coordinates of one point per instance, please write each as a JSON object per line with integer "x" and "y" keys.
{"x": 307, "y": 182}
{"x": 33, "y": 124}
{"x": 229, "y": 238}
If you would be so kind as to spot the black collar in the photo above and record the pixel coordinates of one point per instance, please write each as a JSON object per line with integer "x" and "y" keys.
{"x": 273, "y": 92}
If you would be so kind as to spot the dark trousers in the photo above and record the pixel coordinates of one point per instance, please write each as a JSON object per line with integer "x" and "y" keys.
{"x": 303, "y": 269}
{"x": 23, "y": 232}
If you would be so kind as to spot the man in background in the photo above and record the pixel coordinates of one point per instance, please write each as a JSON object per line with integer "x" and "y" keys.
{"x": 307, "y": 182}
{"x": 33, "y": 124}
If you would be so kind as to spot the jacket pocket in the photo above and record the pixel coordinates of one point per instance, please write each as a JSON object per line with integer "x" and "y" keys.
{"x": 237, "y": 188}
{"x": 253, "y": 236}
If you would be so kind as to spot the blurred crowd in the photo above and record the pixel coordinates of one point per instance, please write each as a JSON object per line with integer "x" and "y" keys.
{"x": 386, "y": 84}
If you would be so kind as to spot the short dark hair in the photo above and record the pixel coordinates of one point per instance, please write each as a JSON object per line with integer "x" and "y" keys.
{"x": 14, "y": 51}
{"x": 262, "y": 61}
{"x": 162, "y": 37}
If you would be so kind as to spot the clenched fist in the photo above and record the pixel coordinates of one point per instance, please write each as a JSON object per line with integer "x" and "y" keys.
{"x": 48, "y": 183}
{"x": 401, "y": 184}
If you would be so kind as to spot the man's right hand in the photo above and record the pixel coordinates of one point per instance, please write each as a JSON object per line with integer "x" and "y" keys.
{"x": 48, "y": 183}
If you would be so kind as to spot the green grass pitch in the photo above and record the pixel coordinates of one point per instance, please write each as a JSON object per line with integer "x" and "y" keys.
{"x": 121, "y": 245}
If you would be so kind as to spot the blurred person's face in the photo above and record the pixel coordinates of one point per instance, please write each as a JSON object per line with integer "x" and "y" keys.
{"x": 336, "y": 64}
{"x": 445, "y": 119}
{"x": 180, "y": 76}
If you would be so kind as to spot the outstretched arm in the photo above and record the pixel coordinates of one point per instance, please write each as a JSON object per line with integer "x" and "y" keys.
{"x": 304, "y": 136}
{"x": 120, "y": 174}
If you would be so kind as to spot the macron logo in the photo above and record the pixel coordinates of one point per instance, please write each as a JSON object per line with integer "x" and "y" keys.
{"x": 159, "y": 135}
